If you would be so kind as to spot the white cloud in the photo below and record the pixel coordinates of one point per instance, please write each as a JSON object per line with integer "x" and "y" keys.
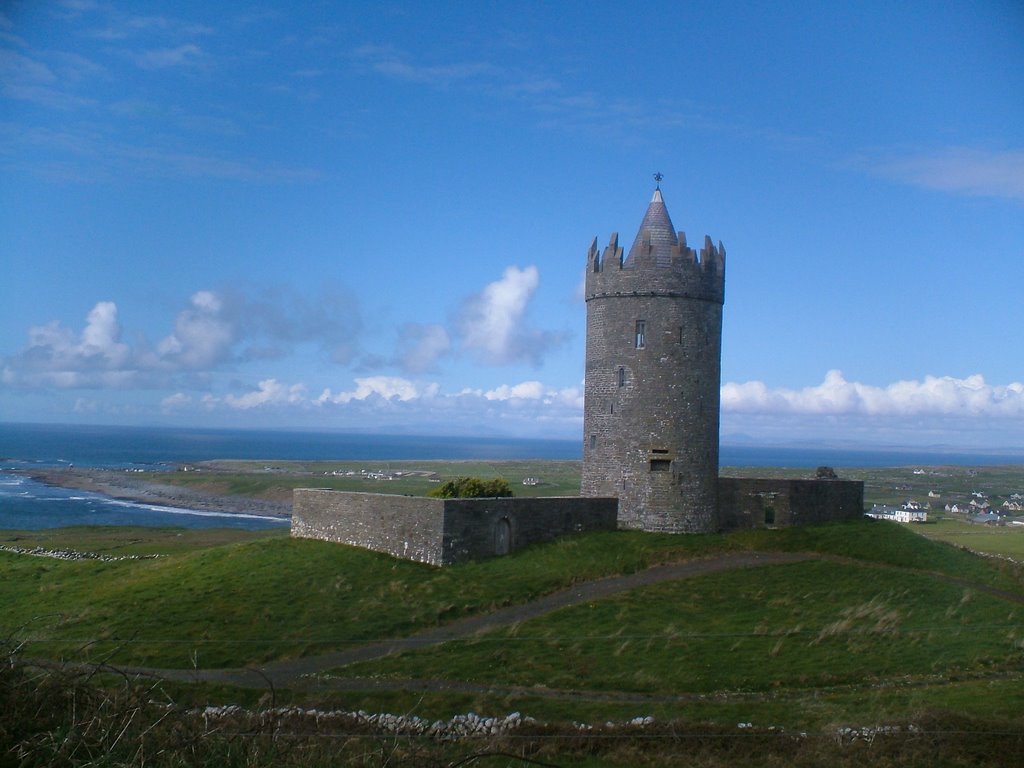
{"x": 960, "y": 170}
{"x": 55, "y": 357}
{"x": 214, "y": 331}
{"x": 383, "y": 387}
{"x": 492, "y": 323}
{"x": 269, "y": 392}
{"x": 202, "y": 336}
{"x": 101, "y": 336}
{"x": 175, "y": 401}
{"x": 932, "y": 396}
{"x": 526, "y": 390}
{"x": 491, "y": 318}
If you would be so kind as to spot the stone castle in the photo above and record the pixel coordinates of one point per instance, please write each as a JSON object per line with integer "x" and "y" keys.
{"x": 651, "y": 399}
{"x": 650, "y": 424}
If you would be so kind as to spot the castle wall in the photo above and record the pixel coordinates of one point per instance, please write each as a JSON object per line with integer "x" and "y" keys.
{"x": 765, "y": 502}
{"x": 476, "y": 528}
{"x": 444, "y": 531}
{"x": 410, "y": 527}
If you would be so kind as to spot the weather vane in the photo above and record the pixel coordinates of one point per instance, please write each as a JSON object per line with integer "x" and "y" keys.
{"x": 657, "y": 179}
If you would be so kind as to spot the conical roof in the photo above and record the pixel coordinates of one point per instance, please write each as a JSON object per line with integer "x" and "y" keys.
{"x": 657, "y": 227}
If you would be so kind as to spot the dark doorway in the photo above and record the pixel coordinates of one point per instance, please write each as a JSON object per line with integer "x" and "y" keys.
{"x": 502, "y": 537}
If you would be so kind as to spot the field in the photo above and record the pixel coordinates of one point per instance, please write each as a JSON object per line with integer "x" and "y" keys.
{"x": 275, "y": 480}
{"x": 876, "y": 625}
{"x": 867, "y": 642}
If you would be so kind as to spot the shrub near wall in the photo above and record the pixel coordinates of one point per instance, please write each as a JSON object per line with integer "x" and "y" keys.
{"x": 472, "y": 488}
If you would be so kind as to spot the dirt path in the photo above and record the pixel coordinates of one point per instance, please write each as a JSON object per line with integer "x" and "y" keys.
{"x": 292, "y": 672}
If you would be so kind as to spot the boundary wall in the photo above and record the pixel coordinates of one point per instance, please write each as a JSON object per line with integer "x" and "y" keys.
{"x": 444, "y": 531}
{"x": 769, "y": 502}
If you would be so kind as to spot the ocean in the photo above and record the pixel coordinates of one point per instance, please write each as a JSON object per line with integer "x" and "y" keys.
{"x": 26, "y": 504}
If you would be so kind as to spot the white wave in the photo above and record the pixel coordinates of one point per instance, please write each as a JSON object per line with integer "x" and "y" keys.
{"x": 196, "y": 512}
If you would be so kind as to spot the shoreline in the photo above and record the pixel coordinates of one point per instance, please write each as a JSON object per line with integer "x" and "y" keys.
{"x": 134, "y": 487}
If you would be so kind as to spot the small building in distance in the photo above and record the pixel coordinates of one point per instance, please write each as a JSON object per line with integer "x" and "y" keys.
{"x": 900, "y": 515}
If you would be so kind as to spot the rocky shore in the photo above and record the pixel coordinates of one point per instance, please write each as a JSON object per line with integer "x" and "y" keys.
{"x": 136, "y": 487}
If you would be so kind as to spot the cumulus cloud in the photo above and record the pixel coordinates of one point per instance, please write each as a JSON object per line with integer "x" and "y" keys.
{"x": 269, "y": 392}
{"x": 383, "y": 388}
{"x": 526, "y": 390}
{"x": 56, "y": 357}
{"x": 932, "y": 396}
{"x": 202, "y": 335}
{"x": 492, "y": 323}
{"x": 394, "y": 402}
{"x": 215, "y": 330}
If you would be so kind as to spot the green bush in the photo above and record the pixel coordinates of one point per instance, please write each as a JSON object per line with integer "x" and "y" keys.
{"x": 472, "y": 488}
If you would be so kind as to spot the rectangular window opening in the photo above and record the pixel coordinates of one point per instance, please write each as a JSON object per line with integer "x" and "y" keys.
{"x": 641, "y": 334}
{"x": 661, "y": 465}
{"x": 622, "y": 377}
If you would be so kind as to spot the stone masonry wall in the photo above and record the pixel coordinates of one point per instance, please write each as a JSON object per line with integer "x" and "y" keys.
{"x": 444, "y": 531}
{"x": 761, "y": 502}
{"x": 479, "y": 528}
{"x": 410, "y": 527}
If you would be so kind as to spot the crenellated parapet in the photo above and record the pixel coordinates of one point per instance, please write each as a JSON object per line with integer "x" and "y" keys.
{"x": 657, "y": 269}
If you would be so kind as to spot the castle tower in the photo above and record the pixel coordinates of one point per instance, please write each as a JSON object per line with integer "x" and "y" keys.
{"x": 653, "y": 373}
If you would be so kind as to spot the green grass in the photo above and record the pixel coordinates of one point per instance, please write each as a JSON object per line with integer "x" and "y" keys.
{"x": 877, "y": 632}
{"x": 276, "y": 480}
{"x": 1004, "y": 540}
{"x": 812, "y": 624}
{"x": 277, "y": 597}
{"x": 123, "y": 540}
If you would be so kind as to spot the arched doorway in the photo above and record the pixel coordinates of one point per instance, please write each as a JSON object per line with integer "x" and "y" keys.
{"x": 502, "y": 537}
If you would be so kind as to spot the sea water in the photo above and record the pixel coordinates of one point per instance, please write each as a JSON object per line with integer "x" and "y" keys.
{"x": 29, "y": 505}
{"x": 26, "y": 504}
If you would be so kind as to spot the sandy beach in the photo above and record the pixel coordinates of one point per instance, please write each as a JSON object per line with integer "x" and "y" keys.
{"x": 134, "y": 486}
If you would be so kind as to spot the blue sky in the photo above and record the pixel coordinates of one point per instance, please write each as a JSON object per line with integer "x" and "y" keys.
{"x": 375, "y": 216}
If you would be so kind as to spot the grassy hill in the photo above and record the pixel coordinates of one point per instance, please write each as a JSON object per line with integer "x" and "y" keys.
{"x": 882, "y": 625}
